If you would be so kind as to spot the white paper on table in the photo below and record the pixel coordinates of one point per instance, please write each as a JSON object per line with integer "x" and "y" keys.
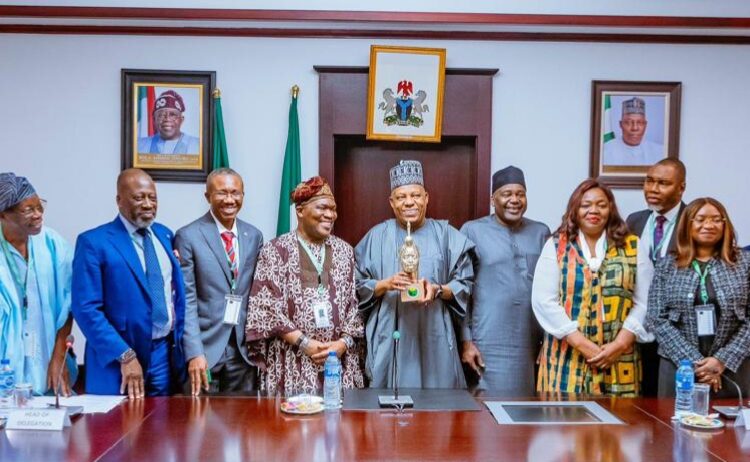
{"x": 91, "y": 404}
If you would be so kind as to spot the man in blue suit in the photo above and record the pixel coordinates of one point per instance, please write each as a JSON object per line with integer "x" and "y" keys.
{"x": 128, "y": 298}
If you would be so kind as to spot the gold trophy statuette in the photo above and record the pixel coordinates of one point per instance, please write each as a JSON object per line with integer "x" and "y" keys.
{"x": 409, "y": 257}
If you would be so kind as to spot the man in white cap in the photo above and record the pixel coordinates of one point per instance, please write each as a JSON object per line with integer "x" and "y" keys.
{"x": 633, "y": 149}
{"x": 169, "y": 114}
{"x": 428, "y": 350}
{"x": 35, "y": 274}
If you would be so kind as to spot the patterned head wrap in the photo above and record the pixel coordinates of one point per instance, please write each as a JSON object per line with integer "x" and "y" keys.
{"x": 406, "y": 172}
{"x": 313, "y": 189}
{"x": 14, "y": 189}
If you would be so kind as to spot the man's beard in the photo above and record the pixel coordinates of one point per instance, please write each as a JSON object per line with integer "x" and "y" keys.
{"x": 141, "y": 223}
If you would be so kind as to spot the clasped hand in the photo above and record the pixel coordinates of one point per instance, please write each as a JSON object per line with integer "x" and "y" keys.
{"x": 318, "y": 351}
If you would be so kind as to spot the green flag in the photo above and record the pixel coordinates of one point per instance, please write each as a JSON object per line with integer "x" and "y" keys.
{"x": 607, "y": 133}
{"x": 220, "y": 153}
{"x": 291, "y": 175}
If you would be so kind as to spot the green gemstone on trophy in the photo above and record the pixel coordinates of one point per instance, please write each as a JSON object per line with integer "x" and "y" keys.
{"x": 412, "y": 291}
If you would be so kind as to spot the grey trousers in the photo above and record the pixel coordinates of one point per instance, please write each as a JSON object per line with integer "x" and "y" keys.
{"x": 231, "y": 373}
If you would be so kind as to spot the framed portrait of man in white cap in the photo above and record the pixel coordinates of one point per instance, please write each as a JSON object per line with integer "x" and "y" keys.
{"x": 634, "y": 125}
{"x": 167, "y": 123}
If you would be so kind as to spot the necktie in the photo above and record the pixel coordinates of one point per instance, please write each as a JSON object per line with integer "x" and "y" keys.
{"x": 228, "y": 238}
{"x": 155, "y": 281}
{"x": 659, "y": 233}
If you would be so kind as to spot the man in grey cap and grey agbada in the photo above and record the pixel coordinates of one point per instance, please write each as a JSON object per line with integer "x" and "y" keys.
{"x": 427, "y": 352}
{"x": 500, "y": 337}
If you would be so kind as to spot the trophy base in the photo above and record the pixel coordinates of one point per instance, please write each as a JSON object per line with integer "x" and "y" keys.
{"x": 412, "y": 293}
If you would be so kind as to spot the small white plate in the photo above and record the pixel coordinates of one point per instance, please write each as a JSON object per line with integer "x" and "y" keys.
{"x": 303, "y": 405}
{"x": 691, "y": 421}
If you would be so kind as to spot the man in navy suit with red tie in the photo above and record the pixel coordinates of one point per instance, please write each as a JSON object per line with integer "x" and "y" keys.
{"x": 128, "y": 298}
{"x": 655, "y": 226}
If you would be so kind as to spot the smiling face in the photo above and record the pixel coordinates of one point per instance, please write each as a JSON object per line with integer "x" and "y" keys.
{"x": 510, "y": 203}
{"x": 315, "y": 219}
{"x": 633, "y": 128}
{"x": 136, "y": 199}
{"x": 707, "y": 226}
{"x": 225, "y": 194}
{"x": 593, "y": 213}
{"x": 168, "y": 122}
{"x": 409, "y": 204}
{"x": 25, "y": 218}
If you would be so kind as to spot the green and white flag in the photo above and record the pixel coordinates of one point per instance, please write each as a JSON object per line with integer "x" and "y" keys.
{"x": 291, "y": 175}
{"x": 607, "y": 133}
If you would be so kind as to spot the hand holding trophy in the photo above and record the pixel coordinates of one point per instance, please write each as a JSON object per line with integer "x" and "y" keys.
{"x": 409, "y": 258}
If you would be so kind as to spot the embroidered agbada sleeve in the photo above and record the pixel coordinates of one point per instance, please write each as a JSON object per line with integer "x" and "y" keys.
{"x": 352, "y": 324}
{"x": 545, "y": 295}
{"x": 267, "y": 311}
{"x": 365, "y": 277}
{"x": 636, "y": 319}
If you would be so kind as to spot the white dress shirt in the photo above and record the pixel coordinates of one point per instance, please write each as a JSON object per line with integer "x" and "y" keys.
{"x": 545, "y": 292}
{"x": 165, "y": 264}
{"x": 235, "y": 240}
{"x": 647, "y": 236}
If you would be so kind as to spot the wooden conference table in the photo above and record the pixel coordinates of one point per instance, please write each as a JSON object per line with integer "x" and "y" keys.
{"x": 254, "y": 429}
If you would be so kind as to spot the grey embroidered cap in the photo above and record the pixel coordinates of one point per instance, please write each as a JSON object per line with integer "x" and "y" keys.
{"x": 406, "y": 172}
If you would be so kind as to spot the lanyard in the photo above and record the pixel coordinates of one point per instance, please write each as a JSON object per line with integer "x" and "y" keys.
{"x": 656, "y": 251}
{"x": 703, "y": 275}
{"x": 20, "y": 283}
{"x": 317, "y": 263}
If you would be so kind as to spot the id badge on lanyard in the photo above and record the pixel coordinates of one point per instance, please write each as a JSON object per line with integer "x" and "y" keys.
{"x": 706, "y": 316}
{"x": 322, "y": 313}
{"x": 232, "y": 305}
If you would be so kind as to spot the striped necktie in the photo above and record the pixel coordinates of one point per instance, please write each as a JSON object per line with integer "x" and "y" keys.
{"x": 228, "y": 238}
{"x": 159, "y": 316}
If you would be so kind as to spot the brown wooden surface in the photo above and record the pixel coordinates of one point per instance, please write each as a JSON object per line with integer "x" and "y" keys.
{"x": 410, "y": 34}
{"x": 457, "y": 170}
{"x": 239, "y": 428}
{"x": 212, "y": 14}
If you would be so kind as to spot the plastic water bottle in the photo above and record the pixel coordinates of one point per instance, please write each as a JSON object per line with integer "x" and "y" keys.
{"x": 7, "y": 384}
{"x": 332, "y": 382}
{"x": 684, "y": 384}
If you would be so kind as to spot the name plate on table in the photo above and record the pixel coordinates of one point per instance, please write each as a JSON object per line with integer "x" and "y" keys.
{"x": 743, "y": 419}
{"x": 38, "y": 419}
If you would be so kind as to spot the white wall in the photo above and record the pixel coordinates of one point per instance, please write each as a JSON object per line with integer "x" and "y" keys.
{"x": 60, "y": 114}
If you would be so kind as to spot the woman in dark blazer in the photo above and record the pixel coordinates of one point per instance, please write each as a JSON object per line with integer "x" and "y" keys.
{"x": 698, "y": 302}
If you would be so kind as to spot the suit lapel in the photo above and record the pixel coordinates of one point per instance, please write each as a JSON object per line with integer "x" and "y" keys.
{"x": 245, "y": 247}
{"x": 212, "y": 238}
{"x": 123, "y": 243}
{"x": 725, "y": 281}
{"x": 673, "y": 240}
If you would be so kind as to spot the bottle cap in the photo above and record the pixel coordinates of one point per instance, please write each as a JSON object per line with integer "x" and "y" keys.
{"x": 686, "y": 362}
{"x": 331, "y": 353}
{"x": 5, "y": 361}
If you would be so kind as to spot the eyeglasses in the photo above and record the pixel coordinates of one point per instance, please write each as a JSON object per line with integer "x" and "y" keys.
{"x": 221, "y": 195}
{"x": 167, "y": 115}
{"x": 705, "y": 220}
{"x": 28, "y": 212}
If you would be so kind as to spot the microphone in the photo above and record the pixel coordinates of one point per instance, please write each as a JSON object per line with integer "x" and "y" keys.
{"x": 399, "y": 402}
{"x": 396, "y": 338}
{"x": 731, "y": 411}
{"x": 68, "y": 345}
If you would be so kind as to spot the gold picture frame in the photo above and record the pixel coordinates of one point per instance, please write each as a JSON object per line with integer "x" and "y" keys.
{"x": 405, "y": 93}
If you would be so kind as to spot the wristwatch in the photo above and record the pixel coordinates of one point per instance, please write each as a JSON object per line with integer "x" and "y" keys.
{"x": 348, "y": 341}
{"x": 302, "y": 342}
{"x": 126, "y": 357}
{"x": 438, "y": 292}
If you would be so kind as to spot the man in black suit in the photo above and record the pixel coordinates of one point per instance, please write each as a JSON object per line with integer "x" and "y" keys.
{"x": 663, "y": 189}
